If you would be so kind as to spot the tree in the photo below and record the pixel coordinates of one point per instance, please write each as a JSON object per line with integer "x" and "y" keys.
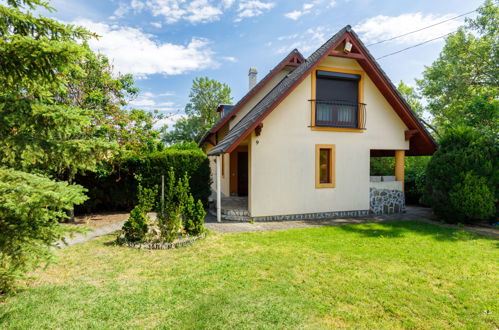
{"x": 38, "y": 59}
{"x": 462, "y": 179}
{"x": 205, "y": 96}
{"x": 412, "y": 97}
{"x": 467, "y": 67}
{"x": 481, "y": 113}
{"x": 30, "y": 208}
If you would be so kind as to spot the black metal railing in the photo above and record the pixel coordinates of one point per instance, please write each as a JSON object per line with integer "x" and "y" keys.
{"x": 343, "y": 114}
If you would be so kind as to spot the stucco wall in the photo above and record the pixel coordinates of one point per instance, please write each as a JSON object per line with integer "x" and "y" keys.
{"x": 224, "y": 182}
{"x": 283, "y": 156}
{"x": 255, "y": 99}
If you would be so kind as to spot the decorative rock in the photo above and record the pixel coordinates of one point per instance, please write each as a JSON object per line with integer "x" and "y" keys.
{"x": 384, "y": 201}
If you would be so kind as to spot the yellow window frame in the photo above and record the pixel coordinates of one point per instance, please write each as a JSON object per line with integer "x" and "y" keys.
{"x": 313, "y": 97}
{"x": 332, "y": 167}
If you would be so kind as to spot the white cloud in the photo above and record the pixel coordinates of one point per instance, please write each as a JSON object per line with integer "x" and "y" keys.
{"x": 120, "y": 11}
{"x": 137, "y": 5}
{"x": 382, "y": 27}
{"x": 294, "y": 15}
{"x": 250, "y": 8}
{"x": 133, "y": 51}
{"x": 200, "y": 11}
{"x": 306, "y": 42}
{"x": 307, "y": 9}
{"x": 157, "y": 24}
{"x": 308, "y": 6}
{"x": 170, "y": 120}
{"x": 229, "y": 58}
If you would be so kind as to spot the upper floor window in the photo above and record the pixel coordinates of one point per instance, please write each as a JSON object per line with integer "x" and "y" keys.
{"x": 337, "y": 101}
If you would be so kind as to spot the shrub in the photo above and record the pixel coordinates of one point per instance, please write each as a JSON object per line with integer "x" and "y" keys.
{"x": 193, "y": 215}
{"x": 473, "y": 198}
{"x": 170, "y": 223}
{"x": 31, "y": 207}
{"x": 180, "y": 210}
{"x": 146, "y": 198}
{"x": 117, "y": 189}
{"x": 464, "y": 155}
{"x": 415, "y": 171}
{"x": 135, "y": 228}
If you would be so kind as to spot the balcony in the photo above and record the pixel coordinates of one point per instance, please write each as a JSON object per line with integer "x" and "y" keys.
{"x": 340, "y": 114}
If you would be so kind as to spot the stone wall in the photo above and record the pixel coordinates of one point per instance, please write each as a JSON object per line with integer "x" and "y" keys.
{"x": 386, "y": 201}
{"x": 314, "y": 216}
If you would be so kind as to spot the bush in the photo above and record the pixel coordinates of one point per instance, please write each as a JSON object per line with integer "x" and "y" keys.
{"x": 193, "y": 215}
{"x": 473, "y": 198}
{"x": 464, "y": 167}
{"x": 31, "y": 207}
{"x": 117, "y": 190}
{"x": 147, "y": 198}
{"x": 415, "y": 175}
{"x": 135, "y": 228}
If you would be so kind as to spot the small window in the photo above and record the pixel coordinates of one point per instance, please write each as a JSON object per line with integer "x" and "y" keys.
{"x": 325, "y": 166}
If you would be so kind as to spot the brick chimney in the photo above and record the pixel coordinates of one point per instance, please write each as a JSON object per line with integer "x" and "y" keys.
{"x": 252, "y": 77}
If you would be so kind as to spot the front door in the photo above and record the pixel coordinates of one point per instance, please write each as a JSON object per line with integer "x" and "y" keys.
{"x": 242, "y": 173}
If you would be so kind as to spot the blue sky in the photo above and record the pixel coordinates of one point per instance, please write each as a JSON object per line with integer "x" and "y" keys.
{"x": 167, "y": 43}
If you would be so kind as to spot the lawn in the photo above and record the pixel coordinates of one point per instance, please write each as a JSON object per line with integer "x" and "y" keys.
{"x": 385, "y": 275}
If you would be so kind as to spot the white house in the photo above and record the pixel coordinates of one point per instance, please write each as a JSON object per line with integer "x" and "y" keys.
{"x": 298, "y": 144}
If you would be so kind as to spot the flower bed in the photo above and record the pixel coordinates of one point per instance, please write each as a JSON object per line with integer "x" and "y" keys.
{"x": 178, "y": 222}
{"x": 161, "y": 245}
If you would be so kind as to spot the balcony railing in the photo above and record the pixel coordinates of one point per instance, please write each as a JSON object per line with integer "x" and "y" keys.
{"x": 341, "y": 114}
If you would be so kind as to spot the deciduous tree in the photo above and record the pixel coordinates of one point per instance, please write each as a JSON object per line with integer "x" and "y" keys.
{"x": 205, "y": 96}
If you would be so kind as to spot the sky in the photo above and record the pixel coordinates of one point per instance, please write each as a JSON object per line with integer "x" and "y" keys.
{"x": 165, "y": 44}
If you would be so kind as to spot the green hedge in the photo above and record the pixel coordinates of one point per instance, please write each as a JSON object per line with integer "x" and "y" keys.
{"x": 462, "y": 178}
{"x": 117, "y": 191}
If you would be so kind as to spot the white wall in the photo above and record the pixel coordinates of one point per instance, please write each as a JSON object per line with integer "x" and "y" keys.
{"x": 283, "y": 160}
{"x": 255, "y": 99}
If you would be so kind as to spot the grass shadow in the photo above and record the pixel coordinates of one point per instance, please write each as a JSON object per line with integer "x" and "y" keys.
{"x": 397, "y": 229}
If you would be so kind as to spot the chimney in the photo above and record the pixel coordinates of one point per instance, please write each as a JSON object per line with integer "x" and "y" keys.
{"x": 252, "y": 77}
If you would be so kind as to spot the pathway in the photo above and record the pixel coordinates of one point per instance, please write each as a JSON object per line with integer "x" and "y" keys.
{"x": 412, "y": 213}
{"x": 228, "y": 226}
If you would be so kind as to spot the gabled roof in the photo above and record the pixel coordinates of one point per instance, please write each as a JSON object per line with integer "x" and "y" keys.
{"x": 293, "y": 59}
{"x": 421, "y": 144}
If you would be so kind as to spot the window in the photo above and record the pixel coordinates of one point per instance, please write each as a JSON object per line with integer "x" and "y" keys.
{"x": 325, "y": 165}
{"x": 337, "y": 100}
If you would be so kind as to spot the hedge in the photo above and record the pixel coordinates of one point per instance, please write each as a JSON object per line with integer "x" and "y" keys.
{"x": 117, "y": 191}
{"x": 462, "y": 178}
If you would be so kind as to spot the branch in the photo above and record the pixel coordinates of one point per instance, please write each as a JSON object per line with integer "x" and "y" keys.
{"x": 430, "y": 127}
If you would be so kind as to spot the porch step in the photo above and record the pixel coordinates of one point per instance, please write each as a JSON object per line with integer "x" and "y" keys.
{"x": 232, "y": 214}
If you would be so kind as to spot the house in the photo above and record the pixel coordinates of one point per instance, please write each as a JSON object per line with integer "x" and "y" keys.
{"x": 298, "y": 144}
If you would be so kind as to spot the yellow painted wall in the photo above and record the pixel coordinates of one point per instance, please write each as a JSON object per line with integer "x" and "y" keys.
{"x": 283, "y": 160}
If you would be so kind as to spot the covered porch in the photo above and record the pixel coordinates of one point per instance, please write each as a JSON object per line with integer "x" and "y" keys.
{"x": 233, "y": 183}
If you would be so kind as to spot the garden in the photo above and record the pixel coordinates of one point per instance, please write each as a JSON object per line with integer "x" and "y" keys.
{"x": 72, "y": 144}
{"x": 178, "y": 220}
{"x": 385, "y": 275}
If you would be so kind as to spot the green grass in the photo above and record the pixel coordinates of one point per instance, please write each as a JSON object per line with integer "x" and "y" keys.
{"x": 385, "y": 275}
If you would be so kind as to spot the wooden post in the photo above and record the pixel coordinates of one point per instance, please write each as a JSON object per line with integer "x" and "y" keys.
{"x": 162, "y": 195}
{"x": 219, "y": 192}
{"x": 399, "y": 166}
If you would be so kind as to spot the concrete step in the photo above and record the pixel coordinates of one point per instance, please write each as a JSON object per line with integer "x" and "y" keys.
{"x": 233, "y": 215}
